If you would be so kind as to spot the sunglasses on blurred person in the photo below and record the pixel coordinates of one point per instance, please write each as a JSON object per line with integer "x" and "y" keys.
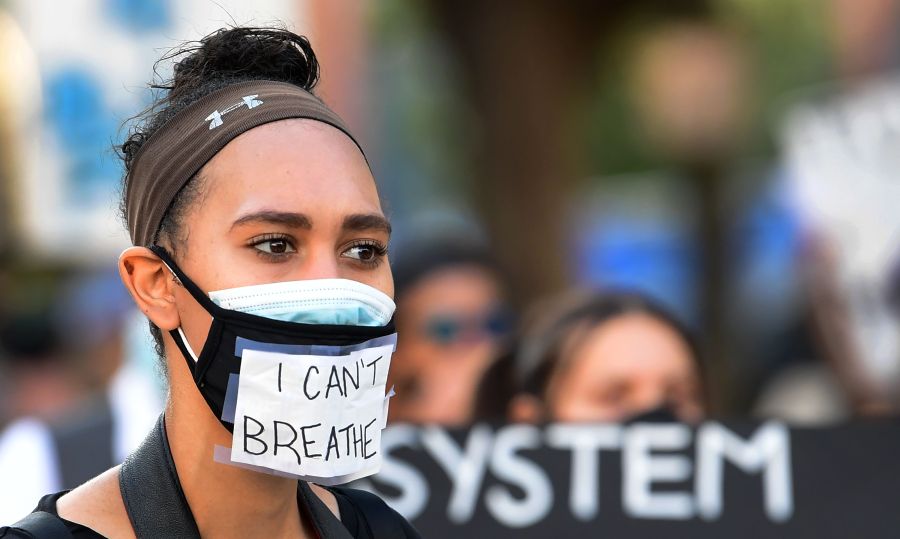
{"x": 448, "y": 329}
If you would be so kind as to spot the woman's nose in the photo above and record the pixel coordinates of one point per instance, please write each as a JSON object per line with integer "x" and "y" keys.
{"x": 320, "y": 263}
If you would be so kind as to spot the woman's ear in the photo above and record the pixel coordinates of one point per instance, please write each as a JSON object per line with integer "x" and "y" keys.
{"x": 526, "y": 408}
{"x": 151, "y": 284}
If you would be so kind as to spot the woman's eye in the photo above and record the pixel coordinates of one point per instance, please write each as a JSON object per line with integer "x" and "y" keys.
{"x": 277, "y": 246}
{"x": 366, "y": 252}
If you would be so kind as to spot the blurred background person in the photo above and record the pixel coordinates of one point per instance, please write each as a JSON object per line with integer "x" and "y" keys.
{"x": 609, "y": 356}
{"x": 839, "y": 157}
{"x": 41, "y": 379}
{"x": 452, "y": 323}
{"x": 81, "y": 393}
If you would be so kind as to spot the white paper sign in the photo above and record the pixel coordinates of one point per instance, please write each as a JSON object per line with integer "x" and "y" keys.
{"x": 315, "y": 417}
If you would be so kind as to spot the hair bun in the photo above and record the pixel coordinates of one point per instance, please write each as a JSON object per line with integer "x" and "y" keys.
{"x": 244, "y": 53}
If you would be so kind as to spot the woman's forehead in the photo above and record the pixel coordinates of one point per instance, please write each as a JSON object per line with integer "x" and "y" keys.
{"x": 635, "y": 343}
{"x": 300, "y": 166}
{"x": 291, "y": 141}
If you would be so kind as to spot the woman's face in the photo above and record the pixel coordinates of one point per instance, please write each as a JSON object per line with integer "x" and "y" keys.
{"x": 289, "y": 200}
{"x": 623, "y": 367}
{"x": 446, "y": 342}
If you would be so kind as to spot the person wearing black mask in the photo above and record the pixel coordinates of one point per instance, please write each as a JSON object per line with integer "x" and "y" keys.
{"x": 260, "y": 258}
{"x": 608, "y": 357}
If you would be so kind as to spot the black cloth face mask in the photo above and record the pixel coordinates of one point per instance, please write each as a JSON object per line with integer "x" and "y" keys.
{"x": 661, "y": 414}
{"x": 219, "y": 359}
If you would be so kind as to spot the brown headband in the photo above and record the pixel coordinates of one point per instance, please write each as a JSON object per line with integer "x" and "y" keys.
{"x": 188, "y": 140}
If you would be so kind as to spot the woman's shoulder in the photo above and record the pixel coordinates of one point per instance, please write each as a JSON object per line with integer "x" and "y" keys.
{"x": 78, "y": 514}
{"x": 43, "y": 523}
{"x": 97, "y": 505}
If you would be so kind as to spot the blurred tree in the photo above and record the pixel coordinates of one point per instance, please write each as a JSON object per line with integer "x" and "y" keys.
{"x": 526, "y": 68}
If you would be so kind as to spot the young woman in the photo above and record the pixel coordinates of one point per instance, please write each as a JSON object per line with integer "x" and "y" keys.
{"x": 258, "y": 234}
{"x": 452, "y": 324}
{"x": 607, "y": 357}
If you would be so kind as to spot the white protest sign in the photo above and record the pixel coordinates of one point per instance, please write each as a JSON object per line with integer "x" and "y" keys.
{"x": 842, "y": 158}
{"x": 842, "y": 162}
{"x": 312, "y": 416}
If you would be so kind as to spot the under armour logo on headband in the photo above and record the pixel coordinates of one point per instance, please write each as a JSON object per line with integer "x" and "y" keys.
{"x": 215, "y": 119}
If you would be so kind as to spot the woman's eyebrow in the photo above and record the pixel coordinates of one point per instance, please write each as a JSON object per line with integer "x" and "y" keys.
{"x": 293, "y": 220}
{"x": 367, "y": 221}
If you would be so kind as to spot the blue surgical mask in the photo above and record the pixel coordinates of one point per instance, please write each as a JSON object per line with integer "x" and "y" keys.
{"x": 315, "y": 301}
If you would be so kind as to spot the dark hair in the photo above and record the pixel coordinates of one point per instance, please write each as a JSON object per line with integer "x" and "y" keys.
{"x": 428, "y": 253}
{"x": 539, "y": 356}
{"x": 225, "y": 57}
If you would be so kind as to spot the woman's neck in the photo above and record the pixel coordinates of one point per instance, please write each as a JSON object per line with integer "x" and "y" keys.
{"x": 226, "y": 501}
